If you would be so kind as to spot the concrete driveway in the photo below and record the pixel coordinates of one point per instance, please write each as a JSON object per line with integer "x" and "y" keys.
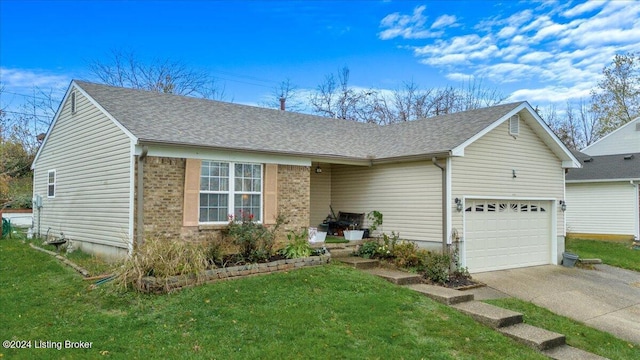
{"x": 607, "y": 298}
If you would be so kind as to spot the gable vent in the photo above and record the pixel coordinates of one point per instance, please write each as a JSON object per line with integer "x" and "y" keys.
{"x": 514, "y": 125}
{"x": 73, "y": 102}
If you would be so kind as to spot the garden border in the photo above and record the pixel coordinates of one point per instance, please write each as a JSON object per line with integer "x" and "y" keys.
{"x": 152, "y": 284}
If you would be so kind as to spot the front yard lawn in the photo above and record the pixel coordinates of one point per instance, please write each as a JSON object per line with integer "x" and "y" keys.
{"x": 577, "y": 334}
{"x": 614, "y": 253}
{"x": 323, "y": 312}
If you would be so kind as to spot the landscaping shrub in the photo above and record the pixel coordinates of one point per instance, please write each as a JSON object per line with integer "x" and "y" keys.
{"x": 254, "y": 240}
{"x": 436, "y": 267}
{"x": 368, "y": 249}
{"x": 297, "y": 245}
{"x": 406, "y": 254}
{"x": 161, "y": 258}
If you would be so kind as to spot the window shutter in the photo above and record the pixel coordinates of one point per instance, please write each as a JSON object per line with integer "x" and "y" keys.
{"x": 270, "y": 194}
{"x": 191, "y": 192}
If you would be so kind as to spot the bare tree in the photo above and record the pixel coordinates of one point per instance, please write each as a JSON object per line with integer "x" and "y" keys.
{"x": 125, "y": 69}
{"x": 289, "y": 92}
{"x": 617, "y": 98}
{"x": 336, "y": 99}
{"x": 475, "y": 95}
{"x": 577, "y": 128}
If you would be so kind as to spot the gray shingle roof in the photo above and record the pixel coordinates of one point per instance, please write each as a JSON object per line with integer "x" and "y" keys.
{"x": 173, "y": 119}
{"x": 606, "y": 167}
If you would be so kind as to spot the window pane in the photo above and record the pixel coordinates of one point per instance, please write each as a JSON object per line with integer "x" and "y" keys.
{"x": 204, "y": 169}
{"x": 204, "y": 183}
{"x": 213, "y": 207}
{"x": 204, "y": 214}
{"x": 249, "y": 204}
{"x": 204, "y": 200}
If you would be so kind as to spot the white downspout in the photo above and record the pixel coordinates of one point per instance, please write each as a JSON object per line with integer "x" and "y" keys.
{"x": 140, "y": 197}
{"x": 445, "y": 226}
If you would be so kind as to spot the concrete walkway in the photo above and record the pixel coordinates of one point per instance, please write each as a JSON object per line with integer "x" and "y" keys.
{"x": 606, "y": 298}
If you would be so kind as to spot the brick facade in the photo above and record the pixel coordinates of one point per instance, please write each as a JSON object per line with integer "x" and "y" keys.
{"x": 294, "y": 194}
{"x": 164, "y": 194}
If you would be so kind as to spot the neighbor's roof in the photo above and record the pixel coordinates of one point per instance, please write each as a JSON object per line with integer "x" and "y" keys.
{"x": 173, "y": 119}
{"x": 623, "y": 167}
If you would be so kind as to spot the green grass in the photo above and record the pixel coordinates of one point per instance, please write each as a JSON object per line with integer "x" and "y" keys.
{"x": 577, "y": 334}
{"x": 614, "y": 253}
{"x": 322, "y": 312}
{"x": 332, "y": 239}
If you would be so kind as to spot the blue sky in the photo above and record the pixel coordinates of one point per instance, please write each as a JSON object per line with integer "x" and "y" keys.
{"x": 546, "y": 52}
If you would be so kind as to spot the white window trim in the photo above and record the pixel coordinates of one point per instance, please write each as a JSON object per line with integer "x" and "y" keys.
{"x": 231, "y": 192}
{"x": 55, "y": 185}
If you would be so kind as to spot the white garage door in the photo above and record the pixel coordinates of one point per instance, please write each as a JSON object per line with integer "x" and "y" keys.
{"x": 501, "y": 234}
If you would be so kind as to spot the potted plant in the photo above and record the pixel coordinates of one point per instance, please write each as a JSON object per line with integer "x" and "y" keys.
{"x": 352, "y": 234}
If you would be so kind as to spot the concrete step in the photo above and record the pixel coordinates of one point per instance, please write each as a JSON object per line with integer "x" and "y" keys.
{"x": 357, "y": 262}
{"x": 396, "y": 277}
{"x": 442, "y": 294}
{"x": 535, "y": 337}
{"x": 490, "y": 315}
{"x": 341, "y": 252}
{"x": 566, "y": 352}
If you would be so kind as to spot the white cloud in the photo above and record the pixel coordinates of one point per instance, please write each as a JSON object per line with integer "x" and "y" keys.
{"x": 21, "y": 79}
{"x": 444, "y": 21}
{"x": 19, "y": 85}
{"x": 535, "y": 57}
{"x": 582, "y": 8}
{"x": 554, "y": 52}
{"x": 411, "y": 26}
{"x": 459, "y": 76}
{"x": 549, "y": 94}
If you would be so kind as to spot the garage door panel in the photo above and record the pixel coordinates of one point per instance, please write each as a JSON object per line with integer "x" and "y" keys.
{"x": 501, "y": 234}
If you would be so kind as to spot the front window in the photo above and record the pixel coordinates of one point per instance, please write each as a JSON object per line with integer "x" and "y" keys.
{"x": 230, "y": 188}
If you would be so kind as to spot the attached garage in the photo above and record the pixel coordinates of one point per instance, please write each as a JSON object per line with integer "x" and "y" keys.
{"x": 505, "y": 234}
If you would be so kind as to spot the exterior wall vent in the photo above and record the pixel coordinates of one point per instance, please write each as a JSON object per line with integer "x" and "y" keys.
{"x": 514, "y": 125}
{"x": 73, "y": 102}
{"x": 638, "y": 126}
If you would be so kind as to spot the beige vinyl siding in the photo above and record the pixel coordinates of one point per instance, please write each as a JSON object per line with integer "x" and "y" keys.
{"x": 407, "y": 194}
{"x": 601, "y": 208}
{"x": 92, "y": 158}
{"x": 486, "y": 170}
{"x": 320, "y": 194}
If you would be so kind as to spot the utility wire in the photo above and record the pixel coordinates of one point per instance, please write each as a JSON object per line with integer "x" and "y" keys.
{"x": 27, "y": 114}
{"x": 24, "y": 95}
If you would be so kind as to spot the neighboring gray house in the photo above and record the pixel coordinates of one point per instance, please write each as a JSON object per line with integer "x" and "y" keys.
{"x": 491, "y": 178}
{"x": 623, "y": 140}
{"x": 603, "y": 197}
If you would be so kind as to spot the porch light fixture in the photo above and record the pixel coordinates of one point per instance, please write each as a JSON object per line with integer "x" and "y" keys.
{"x": 318, "y": 169}
{"x": 563, "y": 205}
{"x": 458, "y": 204}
